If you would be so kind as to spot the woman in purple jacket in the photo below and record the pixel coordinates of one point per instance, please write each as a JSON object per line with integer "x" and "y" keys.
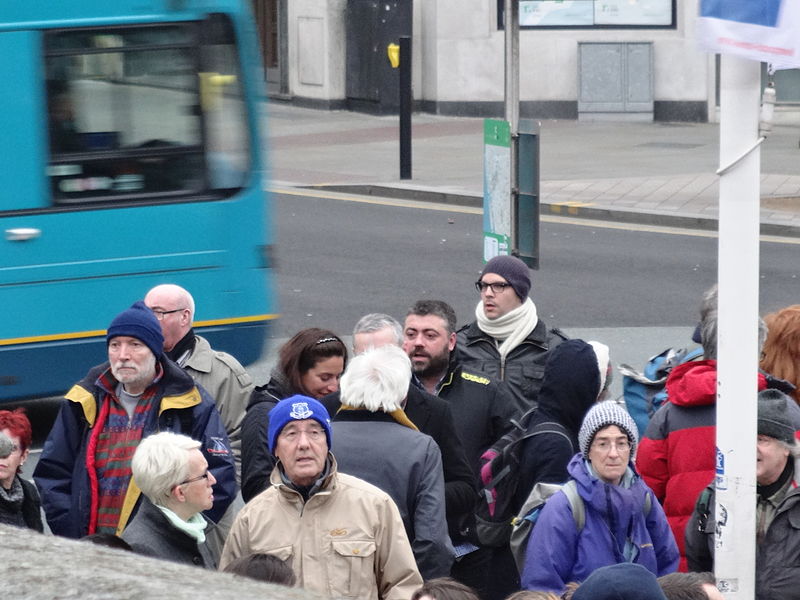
{"x": 623, "y": 521}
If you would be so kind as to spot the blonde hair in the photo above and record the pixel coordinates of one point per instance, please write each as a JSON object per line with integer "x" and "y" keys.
{"x": 533, "y": 595}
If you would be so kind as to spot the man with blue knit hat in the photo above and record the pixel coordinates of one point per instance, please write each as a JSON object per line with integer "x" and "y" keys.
{"x": 508, "y": 341}
{"x": 343, "y": 537}
{"x": 84, "y": 473}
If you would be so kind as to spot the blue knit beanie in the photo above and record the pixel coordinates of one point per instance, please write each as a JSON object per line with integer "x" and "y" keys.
{"x": 513, "y": 270}
{"x": 623, "y": 581}
{"x": 297, "y": 408}
{"x": 138, "y": 322}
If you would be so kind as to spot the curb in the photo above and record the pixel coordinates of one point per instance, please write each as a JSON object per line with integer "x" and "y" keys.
{"x": 700, "y": 222}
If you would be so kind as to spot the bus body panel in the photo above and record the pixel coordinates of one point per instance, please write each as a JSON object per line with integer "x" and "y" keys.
{"x": 67, "y": 268}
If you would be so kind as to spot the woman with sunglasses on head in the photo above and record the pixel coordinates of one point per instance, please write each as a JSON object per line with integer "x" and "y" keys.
{"x": 310, "y": 364}
{"x": 622, "y": 521}
{"x": 19, "y": 500}
{"x": 174, "y": 478}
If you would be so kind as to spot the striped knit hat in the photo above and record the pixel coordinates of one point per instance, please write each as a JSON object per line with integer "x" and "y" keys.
{"x": 602, "y": 415}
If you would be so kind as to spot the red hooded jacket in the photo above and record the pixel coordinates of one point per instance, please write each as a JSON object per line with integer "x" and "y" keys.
{"x": 676, "y": 455}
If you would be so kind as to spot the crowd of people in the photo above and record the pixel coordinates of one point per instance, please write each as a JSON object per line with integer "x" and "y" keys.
{"x": 357, "y": 472}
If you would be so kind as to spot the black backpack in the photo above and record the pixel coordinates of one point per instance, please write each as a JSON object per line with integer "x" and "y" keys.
{"x": 496, "y": 507}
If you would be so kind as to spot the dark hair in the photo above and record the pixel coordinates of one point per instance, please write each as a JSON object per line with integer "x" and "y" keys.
{"x": 107, "y": 539}
{"x": 445, "y": 588}
{"x": 19, "y": 426}
{"x": 264, "y": 567}
{"x": 304, "y": 350}
{"x": 685, "y": 586}
{"x": 437, "y": 308}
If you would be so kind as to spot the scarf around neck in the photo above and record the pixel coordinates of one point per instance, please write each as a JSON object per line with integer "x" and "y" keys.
{"x": 194, "y": 527}
{"x": 12, "y": 496}
{"x": 510, "y": 329}
{"x": 398, "y": 415}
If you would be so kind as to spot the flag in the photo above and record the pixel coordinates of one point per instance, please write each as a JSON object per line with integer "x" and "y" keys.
{"x": 762, "y": 30}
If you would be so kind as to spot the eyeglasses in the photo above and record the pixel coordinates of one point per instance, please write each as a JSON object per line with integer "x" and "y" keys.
{"x": 497, "y": 288}
{"x": 193, "y": 479}
{"x": 605, "y": 446}
{"x": 160, "y": 314}
{"x": 314, "y": 434}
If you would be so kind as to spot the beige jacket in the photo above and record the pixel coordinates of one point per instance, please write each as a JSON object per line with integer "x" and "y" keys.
{"x": 228, "y": 384}
{"x": 347, "y": 541}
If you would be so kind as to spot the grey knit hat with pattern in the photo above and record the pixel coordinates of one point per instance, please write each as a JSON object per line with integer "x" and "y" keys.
{"x": 602, "y": 415}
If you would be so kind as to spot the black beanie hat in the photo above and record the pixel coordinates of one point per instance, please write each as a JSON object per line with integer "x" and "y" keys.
{"x": 513, "y": 270}
{"x": 138, "y": 322}
{"x": 773, "y": 416}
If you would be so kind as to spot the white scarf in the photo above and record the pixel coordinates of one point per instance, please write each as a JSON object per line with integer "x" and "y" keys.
{"x": 193, "y": 527}
{"x": 511, "y": 328}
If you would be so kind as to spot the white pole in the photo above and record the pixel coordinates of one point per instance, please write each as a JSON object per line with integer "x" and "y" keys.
{"x": 740, "y": 89}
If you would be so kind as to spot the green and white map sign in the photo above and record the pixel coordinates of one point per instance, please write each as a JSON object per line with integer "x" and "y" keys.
{"x": 496, "y": 188}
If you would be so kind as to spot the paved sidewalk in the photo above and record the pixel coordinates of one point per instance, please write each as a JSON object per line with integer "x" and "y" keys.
{"x": 658, "y": 173}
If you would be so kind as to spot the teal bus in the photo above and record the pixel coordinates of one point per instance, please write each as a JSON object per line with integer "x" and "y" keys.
{"x": 131, "y": 156}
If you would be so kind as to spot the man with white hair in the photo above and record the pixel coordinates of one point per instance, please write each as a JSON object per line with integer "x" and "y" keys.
{"x": 228, "y": 383}
{"x": 376, "y": 442}
{"x": 174, "y": 477}
{"x": 84, "y": 471}
{"x": 431, "y": 415}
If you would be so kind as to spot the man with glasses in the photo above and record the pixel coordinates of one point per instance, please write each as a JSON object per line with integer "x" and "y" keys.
{"x": 342, "y": 536}
{"x": 174, "y": 477}
{"x": 84, "y": 473}
{"x": 222, "y": 376}
{"x": 508, "y": 341}
{"x": 622, "y": 521}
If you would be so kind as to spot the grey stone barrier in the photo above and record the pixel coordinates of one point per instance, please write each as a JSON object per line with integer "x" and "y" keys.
{"x": 47, "y": 567}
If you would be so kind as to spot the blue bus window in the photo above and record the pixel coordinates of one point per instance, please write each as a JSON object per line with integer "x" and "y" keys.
{"x": 139, "y": 112}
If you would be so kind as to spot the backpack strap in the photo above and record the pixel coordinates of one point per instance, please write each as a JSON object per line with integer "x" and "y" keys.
{"x": 570, "y": 490}
{"x": 550, "y": 427}
{"x": 703, "y": 508}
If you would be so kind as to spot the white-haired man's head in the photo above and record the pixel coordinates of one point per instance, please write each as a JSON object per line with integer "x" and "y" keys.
{"x": 174, "y": 309}
{"x": 375, "y": 330}
{"x": 377, "y": 379}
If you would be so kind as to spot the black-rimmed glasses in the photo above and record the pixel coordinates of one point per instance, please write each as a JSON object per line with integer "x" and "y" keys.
{"x": 160, "y": 314}
{"x": 497, "y": 288}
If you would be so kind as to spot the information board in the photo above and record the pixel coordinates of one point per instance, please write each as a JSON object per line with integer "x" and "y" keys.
{"x": 589, "y": 13}
{"x": 496, "y": 188}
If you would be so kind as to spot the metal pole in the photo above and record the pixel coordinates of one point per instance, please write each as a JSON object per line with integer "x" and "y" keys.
{"x": 406, "y": 102}
{"x": 737, "y": 339}
{"x": 511, "y": 23}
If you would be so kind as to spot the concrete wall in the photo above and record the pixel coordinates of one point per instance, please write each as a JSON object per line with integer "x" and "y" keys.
{"x": 36, "y": 566}
{"x": 316, "y": 48}
{"x": 469, "y": 61}
{"x": 459, "y": 55}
